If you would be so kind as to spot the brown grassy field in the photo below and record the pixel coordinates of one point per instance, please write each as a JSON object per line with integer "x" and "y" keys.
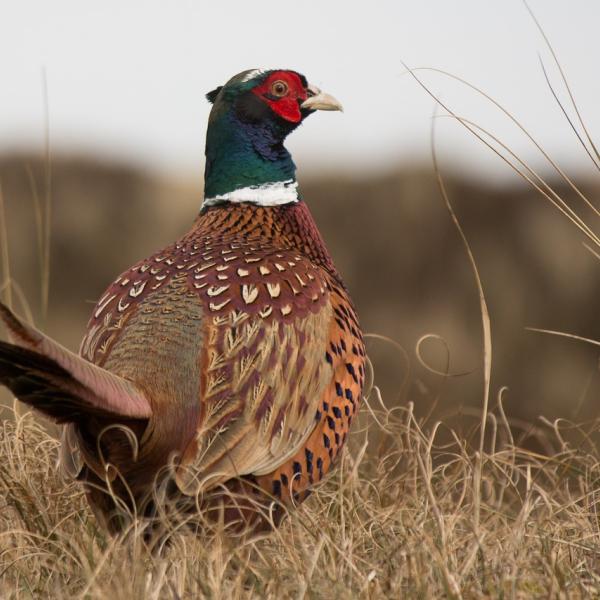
{"x": 404, "y": 515}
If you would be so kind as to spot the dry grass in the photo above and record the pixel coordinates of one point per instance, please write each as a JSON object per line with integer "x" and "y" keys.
{"x": 404, "y": 515}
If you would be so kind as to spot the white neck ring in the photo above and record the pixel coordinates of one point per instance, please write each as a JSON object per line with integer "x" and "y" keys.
{"x": 266, "y": 194}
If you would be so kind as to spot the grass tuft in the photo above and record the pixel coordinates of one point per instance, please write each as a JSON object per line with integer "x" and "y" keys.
{"x": 415, "y": 512}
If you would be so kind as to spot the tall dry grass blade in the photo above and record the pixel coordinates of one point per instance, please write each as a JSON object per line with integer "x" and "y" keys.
{"x": 571, "y": 336}
{"x": 591, "y": 251}
{"x": 47, "y": 199}
{"x": 520, "y": 126}
{"x": 5, "y": 279}
{"x": 563, "y": 77}
{"x": 566, "y": 116}
{"x": 549, "y": 193}
{"x": 485, "y": 318}
{"x": 38, "y": 213}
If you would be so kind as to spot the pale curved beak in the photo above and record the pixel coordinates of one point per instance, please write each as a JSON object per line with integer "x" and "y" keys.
{"x": 318, "y": 100}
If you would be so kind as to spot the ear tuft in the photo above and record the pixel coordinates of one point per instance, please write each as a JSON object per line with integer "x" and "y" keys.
{"x": 212, "y": 96}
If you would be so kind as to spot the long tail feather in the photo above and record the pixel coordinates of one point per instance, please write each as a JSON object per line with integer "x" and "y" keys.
{"x": 45, "y": 375}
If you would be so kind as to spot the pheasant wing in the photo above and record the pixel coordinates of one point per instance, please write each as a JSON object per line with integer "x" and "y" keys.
{"x": 263, "y": 368}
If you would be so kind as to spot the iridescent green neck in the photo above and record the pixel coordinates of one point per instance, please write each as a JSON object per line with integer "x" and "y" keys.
{"x": 246, "y": 157}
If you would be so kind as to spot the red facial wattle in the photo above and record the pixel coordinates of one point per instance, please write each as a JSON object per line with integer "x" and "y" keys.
{"x": 287, "y": 106}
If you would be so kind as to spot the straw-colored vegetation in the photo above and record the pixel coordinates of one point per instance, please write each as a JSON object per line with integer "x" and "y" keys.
{"x": 405, "y": 515}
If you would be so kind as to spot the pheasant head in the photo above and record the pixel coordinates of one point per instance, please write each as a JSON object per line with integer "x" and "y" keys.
{"x": 252, "y": 115}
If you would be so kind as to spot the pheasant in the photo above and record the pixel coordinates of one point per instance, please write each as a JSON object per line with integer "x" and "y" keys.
{"x": 228, "y": 365}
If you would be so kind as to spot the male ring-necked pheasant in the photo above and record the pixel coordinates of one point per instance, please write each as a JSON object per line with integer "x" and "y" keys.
{"x": 234, "y": 356}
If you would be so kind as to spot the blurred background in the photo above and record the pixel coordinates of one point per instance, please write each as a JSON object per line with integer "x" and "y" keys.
{"x": 102, "y": 112}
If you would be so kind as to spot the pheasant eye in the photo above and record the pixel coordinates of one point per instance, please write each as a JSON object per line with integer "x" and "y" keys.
{"x": 279, "y": 89}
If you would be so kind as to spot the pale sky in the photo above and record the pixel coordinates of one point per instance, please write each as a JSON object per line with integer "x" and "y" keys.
{"x": 127, "y": 79}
